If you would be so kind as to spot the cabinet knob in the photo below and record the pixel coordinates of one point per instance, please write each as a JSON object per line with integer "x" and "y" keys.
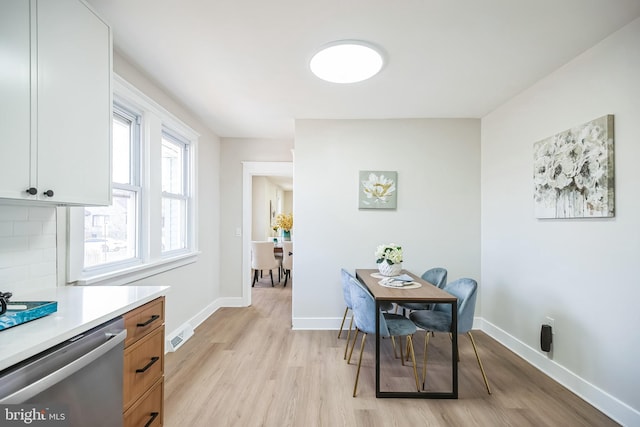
{"x": 48, "y": 193}
{"x": 33, "y": 191}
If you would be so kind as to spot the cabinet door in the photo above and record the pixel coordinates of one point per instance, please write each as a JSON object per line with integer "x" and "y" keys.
{"x": 74, "y": 103}
{"x": 15, "y": 104}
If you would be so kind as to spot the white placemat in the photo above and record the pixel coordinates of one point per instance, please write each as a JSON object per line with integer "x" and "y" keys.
{"x": 412, "y": 285}
{"x": 380, "y": 276}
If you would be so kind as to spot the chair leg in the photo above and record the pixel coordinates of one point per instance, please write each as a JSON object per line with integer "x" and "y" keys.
{"x": 255, "y": 278}
{"x": 393, "y": 343}
{"x": 271, "y": 275}
{"x": 286, "y": 277}
{"x": 424, "y": 360}
{"x": 475, "y": 349}
{"x": 355, "y": 338}
{"x": 344, "y": 317}
{"x": 348, "y": 338}
{"x": 413, "y": 358}
{"x": 401, "y": 353}
{"x": 407, "y": 351}
{"x": 355, "y": 387}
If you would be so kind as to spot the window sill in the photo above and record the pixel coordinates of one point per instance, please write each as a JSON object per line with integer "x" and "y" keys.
{"x": 137, "y": 272}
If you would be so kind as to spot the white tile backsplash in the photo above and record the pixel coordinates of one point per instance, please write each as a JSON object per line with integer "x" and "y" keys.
{"x": 42, "y": 241}
{"x": 27, "y": 228}
{"x": 14, "y": 213}
{"x": 14, "y": 244}
{"x": 13, "y": 275}
{"x": 42, "y": 214}
{"x": 6, "y": 228}
{"x": 42, "y": 269}
{"x": 27, "y": 247}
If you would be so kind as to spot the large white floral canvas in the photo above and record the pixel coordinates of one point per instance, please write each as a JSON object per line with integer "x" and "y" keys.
{"x": 573, "y": 172}
{"x": 378, "y": 190}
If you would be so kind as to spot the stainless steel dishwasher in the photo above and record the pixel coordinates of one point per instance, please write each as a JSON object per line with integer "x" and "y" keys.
{"x": 82, "y": 375}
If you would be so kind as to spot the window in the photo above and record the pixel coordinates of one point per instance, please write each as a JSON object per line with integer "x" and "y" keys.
{"x": 111, "y": 234}
{"x": 151, "y": 224}
{"x": 174, "y": 193}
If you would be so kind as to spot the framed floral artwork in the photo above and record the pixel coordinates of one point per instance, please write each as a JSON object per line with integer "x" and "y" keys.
{"x": 573, "y": 172}
{"x": 378, "y": 190}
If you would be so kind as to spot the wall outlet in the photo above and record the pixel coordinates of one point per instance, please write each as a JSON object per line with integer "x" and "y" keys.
{"x": 549, "y": 321}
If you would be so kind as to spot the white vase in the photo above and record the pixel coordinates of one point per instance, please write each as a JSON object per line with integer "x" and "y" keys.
{"x": 387, "y": 269}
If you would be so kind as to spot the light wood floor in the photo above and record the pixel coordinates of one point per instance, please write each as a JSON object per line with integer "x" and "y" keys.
{"x": 246, "y": 367}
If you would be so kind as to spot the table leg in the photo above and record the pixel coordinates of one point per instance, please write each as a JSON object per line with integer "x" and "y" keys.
{"x": 377, "y": 348}
{"x": 454, "y": 349}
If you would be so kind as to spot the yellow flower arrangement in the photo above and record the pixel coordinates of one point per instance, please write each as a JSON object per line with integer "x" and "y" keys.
{"x": 284, "y": 222}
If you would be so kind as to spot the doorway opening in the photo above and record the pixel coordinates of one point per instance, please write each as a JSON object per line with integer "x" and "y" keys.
{"x": 249, "y": 170}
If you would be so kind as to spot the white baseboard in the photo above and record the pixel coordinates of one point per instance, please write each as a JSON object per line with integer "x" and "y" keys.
{"x": 316, "y": 323}
{"x": 606, "y": 403}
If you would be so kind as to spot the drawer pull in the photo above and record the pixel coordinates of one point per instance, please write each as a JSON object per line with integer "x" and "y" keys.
{"x": 154, "y": 415}
{"x": 153, "y": 318}
{"x": 154, "y": 359}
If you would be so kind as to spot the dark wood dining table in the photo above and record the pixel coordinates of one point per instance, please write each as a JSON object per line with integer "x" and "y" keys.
{"x": 426, "y": 293}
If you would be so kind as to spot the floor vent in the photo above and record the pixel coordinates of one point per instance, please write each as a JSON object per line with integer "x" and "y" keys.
{"x": 185, "y": 332}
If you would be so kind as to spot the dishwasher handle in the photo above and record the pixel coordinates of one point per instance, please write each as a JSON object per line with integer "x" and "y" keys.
{"x": 66, "y": 371}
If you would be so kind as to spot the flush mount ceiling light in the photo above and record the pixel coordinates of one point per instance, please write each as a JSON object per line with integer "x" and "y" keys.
{"x": 346, "y": 61}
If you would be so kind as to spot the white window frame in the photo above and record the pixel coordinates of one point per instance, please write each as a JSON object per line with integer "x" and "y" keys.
{"x": 185, "y": 193}
{"x": 132, "y": 114}
{"x": 151, "y": 260}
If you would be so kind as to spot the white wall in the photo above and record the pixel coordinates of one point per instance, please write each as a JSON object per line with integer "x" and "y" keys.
{"x": 234, "y": 151}
{"x": 287, "y": 204}
{"x": 195, "y": 288}
{"x": 265, "y": 197}
{"x": 260, "y": 208}
{"x": 438, "y": 216}
{"x": 582, "y": 273}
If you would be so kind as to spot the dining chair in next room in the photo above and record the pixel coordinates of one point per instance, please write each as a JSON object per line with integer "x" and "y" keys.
{"x": 262, "y": 258}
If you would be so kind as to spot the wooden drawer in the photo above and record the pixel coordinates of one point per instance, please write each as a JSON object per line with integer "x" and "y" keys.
{"x": 143, "y": 320}
{"x": 147, "y": 411}
{"x": 143, "y": 365}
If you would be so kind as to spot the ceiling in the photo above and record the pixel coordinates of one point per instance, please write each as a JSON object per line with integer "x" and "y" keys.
{"x": 241, "y": 66}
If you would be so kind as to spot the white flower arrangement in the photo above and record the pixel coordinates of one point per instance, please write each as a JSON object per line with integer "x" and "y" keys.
{"x": 391, "y": 253}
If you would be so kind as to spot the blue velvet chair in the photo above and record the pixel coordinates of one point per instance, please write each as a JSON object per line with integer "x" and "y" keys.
{"x": 436, "y": 276}
{"x": 391, "y": 325}
{"x": 346, "y": 292}
{"x": 439, "y": 319}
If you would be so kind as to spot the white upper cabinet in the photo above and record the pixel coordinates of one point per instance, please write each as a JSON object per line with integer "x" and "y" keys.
{"x": 56, "y": 118}
{"x": 15, "y": 102}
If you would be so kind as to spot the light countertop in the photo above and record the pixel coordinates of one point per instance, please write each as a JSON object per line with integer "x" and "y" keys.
{"x": 80, "y": 308}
